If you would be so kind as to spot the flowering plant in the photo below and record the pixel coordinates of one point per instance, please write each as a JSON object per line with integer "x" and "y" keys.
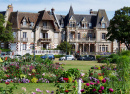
{"x": 98, "y": 87}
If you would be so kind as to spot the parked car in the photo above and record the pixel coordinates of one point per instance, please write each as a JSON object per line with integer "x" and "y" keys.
{"x": 49, "y": 56}
{"x": 67, "y": 57}
{"x": 87, "y": 57}
{"x": 17, "y": 56}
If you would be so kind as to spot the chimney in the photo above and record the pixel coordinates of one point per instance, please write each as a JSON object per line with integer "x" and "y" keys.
{"x": 91, "y": 11}
{"x": 52, "y": 10}
{"x": 10, "y": 8}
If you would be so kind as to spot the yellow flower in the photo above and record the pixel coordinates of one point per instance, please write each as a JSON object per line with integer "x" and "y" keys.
{"x": 100, "y": 78}
{"x": 34, "y": 80}
{"x": 33, "y": 70}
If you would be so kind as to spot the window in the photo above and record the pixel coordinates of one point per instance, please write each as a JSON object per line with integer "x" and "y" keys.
{"x": 24, "y": 22}
{"x": 90, "y": 25}
{"x": 14, "y": 34}
{"x": 24, "y": 46}
{"x": 72, "y": 24}
{"x": 55, "y": 35}
{"x": 31, "y": 23}
{"x": 44, "y": 23}
{"x": 32, "y": 34}
{"x": 2, "y": 45}
{"x": 78, "y": 35}
{"x": 24, "y": 34}
{"x": 31, "y": 46}
{"x": 103, "y": 48}
{"x": 71, "y": 36}
{"x": 84, "y": 25}
{"x": 62, "y": 25}
{"x": 103, "y": 25}
{"x": 90, "y": 35}
{"x": 103, "y": 36}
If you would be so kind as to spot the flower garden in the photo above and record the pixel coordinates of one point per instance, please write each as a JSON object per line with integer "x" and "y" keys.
{"x": 111, "y": 77}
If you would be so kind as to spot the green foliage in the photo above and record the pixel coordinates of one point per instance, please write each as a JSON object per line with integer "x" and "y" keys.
{"x": 5, "y": 50}
{"x": 98, "y": 56}
{"x": 6, "y": 33}
{"x": 119, "y": 27}
{"x": 62, "y": 47}
{"x": 127, "y": 53}
{"x": 58, "y": 56}
{"x": 114, "y": 58}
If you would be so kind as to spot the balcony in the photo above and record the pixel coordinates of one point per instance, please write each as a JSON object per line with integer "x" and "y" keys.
{"x": 44, "y": 40}
{"x": 24, "y": 39}
{"x": 83, "y": 40}
{"x": 45, "y": 27}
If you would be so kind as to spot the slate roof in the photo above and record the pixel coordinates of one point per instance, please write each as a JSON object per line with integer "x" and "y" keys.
{"x": 94, "y": 18}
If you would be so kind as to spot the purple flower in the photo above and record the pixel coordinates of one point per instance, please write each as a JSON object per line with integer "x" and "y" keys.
{"x": 102, "y": 87}
{"x": 33, "y": 93}
{"x": 111, "y": 90}
{"x": 52, "y": 92}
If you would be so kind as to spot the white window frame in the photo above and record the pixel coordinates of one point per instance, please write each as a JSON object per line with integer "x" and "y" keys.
{"x": 24, "y": 46}
{"x": 103, "y": 25}
{"x": 55, "y": 35}
{"x": 103, "y": 36}
{"x": 24, "y": 34}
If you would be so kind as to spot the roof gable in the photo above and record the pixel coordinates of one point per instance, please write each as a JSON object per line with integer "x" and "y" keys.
{"x": 46, "y": 16}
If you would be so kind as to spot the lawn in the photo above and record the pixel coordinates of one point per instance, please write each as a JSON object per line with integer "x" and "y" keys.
{"x": 31, "y": 87}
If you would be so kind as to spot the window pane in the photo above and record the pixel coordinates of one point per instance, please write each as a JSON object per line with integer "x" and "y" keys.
{"x": 103, "y": 25}
{"x": 103, "y": 36}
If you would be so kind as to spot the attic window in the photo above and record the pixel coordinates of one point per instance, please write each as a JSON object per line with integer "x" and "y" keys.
{"x": 24, "y": 22}
{"x": 31, "y": 23}
{"x": 103, "y": 25}
{"x": 62, "y": 25}
{"x": 72, "y": 24}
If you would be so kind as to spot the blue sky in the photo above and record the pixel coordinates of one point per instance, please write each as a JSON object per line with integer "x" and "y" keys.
{"x": 62, "y": 6}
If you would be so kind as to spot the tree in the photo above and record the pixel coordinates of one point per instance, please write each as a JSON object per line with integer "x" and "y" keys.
{"x": 119, "y": 27}
{"x": 62, "y": 47}
{"x": 6, "y": 33}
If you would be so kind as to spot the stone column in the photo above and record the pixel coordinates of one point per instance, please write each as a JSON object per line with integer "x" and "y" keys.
{"x": 89, "y": 48}
{"x": 83, "y": 47}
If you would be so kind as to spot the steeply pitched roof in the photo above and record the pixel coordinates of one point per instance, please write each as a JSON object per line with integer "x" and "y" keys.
{"x": 101, "y": 14}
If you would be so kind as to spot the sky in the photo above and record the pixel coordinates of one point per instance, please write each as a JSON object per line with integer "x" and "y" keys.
{"x": 62, "y": 6}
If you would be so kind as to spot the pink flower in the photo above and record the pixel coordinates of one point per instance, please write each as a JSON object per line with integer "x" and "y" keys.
{"x": 82, "y": 74}
{"x": 91, "y": 83}
{"x": 102, "y": 87}
{"x": 94, "y": 90}
{"x": 33, "y": 93}
{"x": 29, "y": 74}
{"x": 103, "y": 81}
{"x": 98, "y": 82}
{"x": 38, "y": 90}
{"x": 47, "y": 91}
{"x": 43, "y": 74}
{"x": 87, "y": 84}
{"x": 111, "y": 90}
{"x": 100, "y": 91}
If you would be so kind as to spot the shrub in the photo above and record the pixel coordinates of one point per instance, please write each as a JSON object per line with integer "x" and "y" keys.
{"x": 58, "y": 56}
{"x": 98, "y": 56}
{"x": 127, "y": 53}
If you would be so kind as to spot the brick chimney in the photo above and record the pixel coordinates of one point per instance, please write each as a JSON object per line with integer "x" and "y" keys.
{"x": 52, "y": 10}
{"x": 91, "y": 11}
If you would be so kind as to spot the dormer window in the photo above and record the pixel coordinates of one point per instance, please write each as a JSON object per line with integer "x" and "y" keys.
{"x": 72, "y": 24}
{"x": 44, "y": 23}
{"x": 62, "y": 25}
{"x": 24, "y": 22}
{"x": 103, "y": 25}
{"x": 32, "y": 24}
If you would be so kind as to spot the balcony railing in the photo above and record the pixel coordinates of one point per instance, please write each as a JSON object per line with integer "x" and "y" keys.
{"x": 83, "y": 40}
{"x": 24, "y": 39}
{"x": 45, "y": 40}
{"x": 46, "y": 27}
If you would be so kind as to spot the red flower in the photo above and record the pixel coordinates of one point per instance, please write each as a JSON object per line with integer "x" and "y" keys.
{"x": 87, "y": 84}
{"x": 5, "y": 58}
{"x": 102, "y": 87}
{"x": 111, "y": 90}
{"x": 66, "y": 79}
{"x": 94, "y": 90}
{"x": 6, "y": 83}
{"x": 99, "y": 74}
{"x": 102, "y": 73}
{"x": 66, "y": 91}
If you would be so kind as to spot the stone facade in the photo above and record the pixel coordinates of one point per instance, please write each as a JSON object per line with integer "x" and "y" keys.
{"x": 87, "y": 33}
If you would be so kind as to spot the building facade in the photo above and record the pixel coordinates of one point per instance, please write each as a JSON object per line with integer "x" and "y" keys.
{"x": 86, "y": 32}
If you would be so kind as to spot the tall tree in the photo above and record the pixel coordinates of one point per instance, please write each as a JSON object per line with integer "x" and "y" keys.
{"x": 6, "y": 33}
{"x": 119, "y": 27}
